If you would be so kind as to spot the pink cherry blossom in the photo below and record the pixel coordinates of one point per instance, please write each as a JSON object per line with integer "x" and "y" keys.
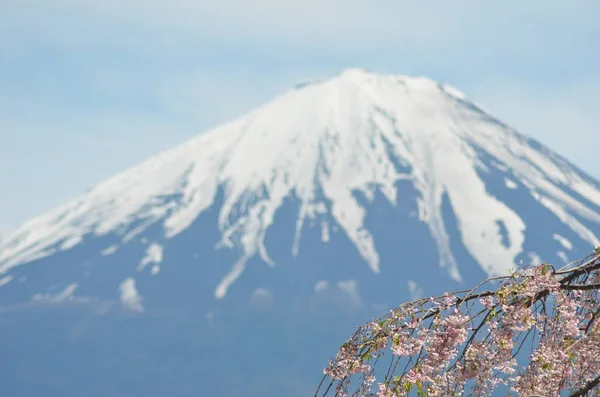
{"x": 536, "y": 334}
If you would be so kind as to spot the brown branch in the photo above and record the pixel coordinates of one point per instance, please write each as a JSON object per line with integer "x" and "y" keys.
{"x": 589, "y": 324}
{"x": 581, "y": 270}
{"x": 586, "y": 388}
{"x": 583, "y": 262}
{"x": 472, "y": 338}
{"x": 580, "y": 287}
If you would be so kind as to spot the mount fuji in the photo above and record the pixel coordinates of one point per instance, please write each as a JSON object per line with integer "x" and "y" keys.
{"x": 236, "y": 263}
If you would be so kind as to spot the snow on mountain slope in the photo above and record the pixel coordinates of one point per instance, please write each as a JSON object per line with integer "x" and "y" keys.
{"x": 358, "y": 131}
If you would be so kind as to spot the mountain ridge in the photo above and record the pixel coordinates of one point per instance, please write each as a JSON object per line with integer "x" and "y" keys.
{"x": 358, "y": 131}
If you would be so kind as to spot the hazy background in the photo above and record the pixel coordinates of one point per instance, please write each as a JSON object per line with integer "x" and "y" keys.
{"x": 91, "y": 87}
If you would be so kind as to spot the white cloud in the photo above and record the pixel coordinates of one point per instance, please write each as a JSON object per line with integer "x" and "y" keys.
{"x": 130, "y": 297}
{"x": 534, "y": 259}
{"x": 562, "y": 255}
{"x": 154, "y": 255}
{"x": 109, "y": 251}
{"x": 566, "y": 243}
{"x": 261, "y": 293}
{"x": 321, "y": 285}
{"x": 350, "y": 287}
{"x": 415, "y": 290}
{"x": 5, "y": 280}
{"x": 261, "y": 299}
{"x": 66, "y": 295}
{"x": 510, "y": 184}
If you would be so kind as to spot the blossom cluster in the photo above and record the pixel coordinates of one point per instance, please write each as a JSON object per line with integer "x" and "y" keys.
{"x": 537, "y": 333}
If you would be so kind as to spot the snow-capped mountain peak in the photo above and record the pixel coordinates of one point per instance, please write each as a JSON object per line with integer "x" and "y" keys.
{"x": 320, "y": 144}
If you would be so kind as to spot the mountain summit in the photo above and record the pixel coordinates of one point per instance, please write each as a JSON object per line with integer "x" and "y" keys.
{"x": 354, "y": 185}
{"x": 320, "y": 144}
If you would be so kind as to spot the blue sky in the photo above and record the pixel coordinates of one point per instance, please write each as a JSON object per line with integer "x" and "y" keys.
{"x": 91, "y": 87}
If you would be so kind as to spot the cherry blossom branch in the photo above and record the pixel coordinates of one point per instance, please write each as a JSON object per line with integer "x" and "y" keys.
{"x": 442, "y": 348}
{"x": 581, "y": 287}
{"x": 588, "y": 386}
